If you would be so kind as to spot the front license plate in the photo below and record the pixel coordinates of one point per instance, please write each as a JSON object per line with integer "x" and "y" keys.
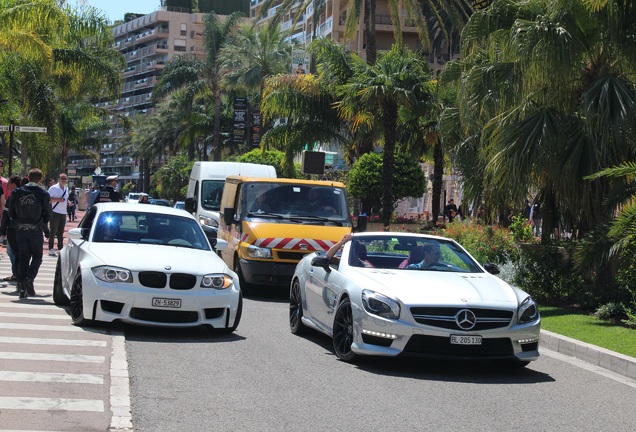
{"x": 164, "y": 302}
{"x": 465, "y": 340}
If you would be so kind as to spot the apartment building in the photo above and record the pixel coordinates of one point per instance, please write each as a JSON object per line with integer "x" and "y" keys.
{"x": 148, "y": 43}
{"x": 330, "y": 24}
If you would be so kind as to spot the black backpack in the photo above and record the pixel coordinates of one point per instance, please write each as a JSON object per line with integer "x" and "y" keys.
{"x": 28, "y": 206}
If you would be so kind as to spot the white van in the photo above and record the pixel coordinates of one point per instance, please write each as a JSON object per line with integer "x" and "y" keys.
{"x": 205, "y": 187}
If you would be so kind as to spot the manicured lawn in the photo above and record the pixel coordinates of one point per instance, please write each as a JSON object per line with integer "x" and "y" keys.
{"x": 588, "y": 328}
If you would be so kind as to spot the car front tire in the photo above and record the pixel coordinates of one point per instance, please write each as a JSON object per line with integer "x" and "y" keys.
{"x": 77, "y": 302}
{"x": 59, "y": 298}
{"x": 343, "y": 332}
{"x": 296, "y": 309}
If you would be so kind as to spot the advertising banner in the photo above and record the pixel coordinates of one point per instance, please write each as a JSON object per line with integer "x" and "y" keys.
{"x": 240, "y": 117}
{"x": 300, "y": 61}
{"x": 256, "y": 128}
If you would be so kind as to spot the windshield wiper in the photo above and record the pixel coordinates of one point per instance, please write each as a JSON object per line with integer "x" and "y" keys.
{"x": 265, "y": 215}
{"x": 315, "y": 218}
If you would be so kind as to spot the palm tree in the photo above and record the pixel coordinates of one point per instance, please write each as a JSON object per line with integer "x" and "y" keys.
{"x": 215, "y": 36}
{"x": 253, "y": 56}
{"x": 184, "y": 74}
{"x": 545, "y": 91}
{"x": 398, "y": 79}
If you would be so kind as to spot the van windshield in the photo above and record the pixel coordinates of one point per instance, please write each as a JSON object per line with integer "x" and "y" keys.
{"x": 211, "y": 192}
{"x": 297, "y": 201}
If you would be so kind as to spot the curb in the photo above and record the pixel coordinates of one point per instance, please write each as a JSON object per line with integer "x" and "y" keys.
{"x": 601, "y": 357}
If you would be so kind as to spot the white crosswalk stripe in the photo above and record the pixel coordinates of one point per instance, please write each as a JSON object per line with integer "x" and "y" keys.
{"x": 49, "y": 365}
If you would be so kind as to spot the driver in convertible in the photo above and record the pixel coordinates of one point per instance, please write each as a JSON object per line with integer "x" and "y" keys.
{"x": 431, "y": 257}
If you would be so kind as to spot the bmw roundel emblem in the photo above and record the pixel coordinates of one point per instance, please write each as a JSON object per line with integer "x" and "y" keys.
{"x": 465, "y": 319}
{"x": 167, "y": 267}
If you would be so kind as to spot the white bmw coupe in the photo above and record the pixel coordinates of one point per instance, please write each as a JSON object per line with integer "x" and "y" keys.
{"x": 391, "y": 294}
{"x": 147, "y": 265}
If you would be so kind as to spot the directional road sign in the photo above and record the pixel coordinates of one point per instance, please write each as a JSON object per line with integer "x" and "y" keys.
{"x": 4, "y": 128}
{"x": 30, "y": 129}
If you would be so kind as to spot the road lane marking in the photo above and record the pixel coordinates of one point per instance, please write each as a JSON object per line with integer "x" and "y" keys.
{"x": 56, "y": 342}
{"x": 78, "y": 358}
{"x": 49, "y": 306}
{"x": 34, "y": 316}
{"x": 49, "y": 377}
{"x": 45, "y": 328}
{"x": 51, "y": 404}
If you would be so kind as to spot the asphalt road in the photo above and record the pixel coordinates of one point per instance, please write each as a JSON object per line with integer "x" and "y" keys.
{"x": 263, "y": 378}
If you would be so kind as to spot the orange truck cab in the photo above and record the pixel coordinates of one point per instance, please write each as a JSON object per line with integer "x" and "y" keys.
{"x": 270, "y": 224}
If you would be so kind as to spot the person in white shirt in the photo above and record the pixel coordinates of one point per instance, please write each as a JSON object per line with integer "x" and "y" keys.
{"x": 59, "y": 197}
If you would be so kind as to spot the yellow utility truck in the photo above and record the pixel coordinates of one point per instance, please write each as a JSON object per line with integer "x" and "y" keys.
{"x": 271, "y": 223}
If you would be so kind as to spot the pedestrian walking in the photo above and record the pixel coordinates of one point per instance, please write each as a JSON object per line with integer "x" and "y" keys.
{"x": 7, "y": 229}
{"x": 71, "y": 204}
{"x": 30, "y": 211}
{"x": 59, "y": 197}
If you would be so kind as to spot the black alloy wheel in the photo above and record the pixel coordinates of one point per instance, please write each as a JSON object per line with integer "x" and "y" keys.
{"x": 343, "y": 332}
{"x": 296, "y": 309}
{"x": 59, "y": 298}
{"x": 77, "y": 302}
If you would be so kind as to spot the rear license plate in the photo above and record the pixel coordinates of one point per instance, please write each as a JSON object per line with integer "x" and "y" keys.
{"x": 164, "y": 302}
{"x": 465, "y": 340}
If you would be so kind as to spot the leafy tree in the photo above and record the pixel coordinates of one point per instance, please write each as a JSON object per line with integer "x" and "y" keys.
{"x": 366, "y": 179}
{"x": 173, "y": 177}
{"x": 398, "y": 79}
{"x": 274, "y": 158}
{"x": 546, "y": 98}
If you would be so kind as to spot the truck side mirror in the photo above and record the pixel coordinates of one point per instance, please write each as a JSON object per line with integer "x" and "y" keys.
{"x": 190, "y": 205}
{"x": 228, "y": 215}
{"x": 362, "y": 224}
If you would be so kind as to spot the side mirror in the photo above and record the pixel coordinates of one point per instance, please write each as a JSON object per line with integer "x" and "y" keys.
{"x": 320, "y": 261}
{"x": 190, "y": 205}
{"x": 362, "y": 224}
{"x": 210, "y": 233}
{"x": 220, "y": 245}
{"x": 491, "y": 268}
{"x": 228, "y": 215}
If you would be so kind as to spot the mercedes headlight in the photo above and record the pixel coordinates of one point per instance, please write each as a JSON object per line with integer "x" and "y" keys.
{"x": 216, "y": 281}
{"x": 527, "y": 311}
{"x": 258, "y": 252}
{"x": 112, "y": 274}
{"x": 380, "y": 305}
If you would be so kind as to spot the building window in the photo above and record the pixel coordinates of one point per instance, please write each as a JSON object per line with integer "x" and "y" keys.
{"x": 180, "y": 45}
{"x": 184, "y": 29}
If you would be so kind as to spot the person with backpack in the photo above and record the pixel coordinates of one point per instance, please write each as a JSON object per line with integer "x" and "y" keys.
{"x": 59, "y": 196}
{"x": 30, "y": 210}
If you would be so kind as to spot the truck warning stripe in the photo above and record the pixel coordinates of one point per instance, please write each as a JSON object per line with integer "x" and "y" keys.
{"x": 294, "y": 243}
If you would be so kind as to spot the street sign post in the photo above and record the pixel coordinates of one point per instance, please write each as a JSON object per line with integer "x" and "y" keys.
{"x": 11, "y": 128}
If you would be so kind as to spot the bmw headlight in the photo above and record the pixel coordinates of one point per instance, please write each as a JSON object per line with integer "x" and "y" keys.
{"x": 216, "y": 281}
{"x": 380, "y": 305}
{"x": 112, "y": 274}
{"x": 204, "y": 220}
{"x": 527, "y": 311}
{"x": 257, "y": 252}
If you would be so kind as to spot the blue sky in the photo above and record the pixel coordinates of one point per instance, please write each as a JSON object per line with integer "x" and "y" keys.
{"x": 115, "y": 9}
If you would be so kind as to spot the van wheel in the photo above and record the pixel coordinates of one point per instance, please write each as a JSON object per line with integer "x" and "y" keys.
{"x": 246, "y": 288}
